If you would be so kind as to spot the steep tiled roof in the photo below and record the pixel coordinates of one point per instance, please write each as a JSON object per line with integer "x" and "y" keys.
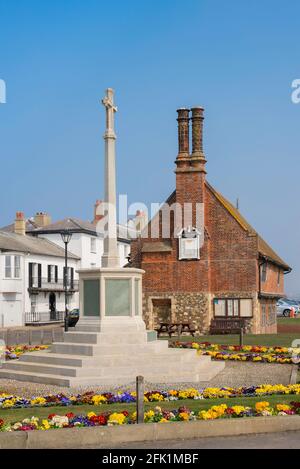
{"x": 30, "y": 225}
{"x": 72, "y": 224}
{"x": 31, "y": 244}
{"x": 76, "y": 225}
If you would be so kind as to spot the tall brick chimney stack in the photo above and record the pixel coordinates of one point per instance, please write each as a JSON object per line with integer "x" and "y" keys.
{"x": 190, "y": 167}
{"x": 20, "y": 224}
{"x": 197, "y": 158}
{"x": 183, "y": 137}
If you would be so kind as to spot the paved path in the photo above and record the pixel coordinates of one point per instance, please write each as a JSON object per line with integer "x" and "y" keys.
{"x": 286, "y": 440}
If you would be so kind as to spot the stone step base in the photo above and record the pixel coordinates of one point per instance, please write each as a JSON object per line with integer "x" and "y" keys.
{"x": 167, "y": 368}
{"x": 172, "y": 356}
{"x": 153, "y": 376}
{"x": 95, "y": 354}
{"x": 70, "y": 348}
{"x": 104, "y": 338}
{"x": 169, "y": 362}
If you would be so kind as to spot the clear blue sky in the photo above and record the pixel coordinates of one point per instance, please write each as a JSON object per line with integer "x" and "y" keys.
{"x": 236, "y": 58}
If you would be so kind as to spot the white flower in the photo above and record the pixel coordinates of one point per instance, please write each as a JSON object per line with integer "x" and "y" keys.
{"x": 17, "y": 425}
{"x": 266, "y": 413}
{"x": 60, "y": 421}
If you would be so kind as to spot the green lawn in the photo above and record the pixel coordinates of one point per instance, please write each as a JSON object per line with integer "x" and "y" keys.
{"x": 9, "y": 415}
{"x": 284, "y": 340}
{"x": 289, "y": 321}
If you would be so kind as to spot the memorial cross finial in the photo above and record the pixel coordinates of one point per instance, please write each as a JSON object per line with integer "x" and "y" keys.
{"x": 108, "y": 103}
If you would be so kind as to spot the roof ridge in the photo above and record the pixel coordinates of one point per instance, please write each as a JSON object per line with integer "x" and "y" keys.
{"x": 74, "y": 221}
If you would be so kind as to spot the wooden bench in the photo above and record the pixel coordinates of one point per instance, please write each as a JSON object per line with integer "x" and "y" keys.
{"x": 175, "y": 328}
{"x": 227, "y": 326}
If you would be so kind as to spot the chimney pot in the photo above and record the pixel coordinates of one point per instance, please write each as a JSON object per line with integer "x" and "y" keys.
{"x": 183, "y": 132}
{"x": 197, "y": 132}
{"x": 42, "y": 219}
{"x": 20, "y": 224}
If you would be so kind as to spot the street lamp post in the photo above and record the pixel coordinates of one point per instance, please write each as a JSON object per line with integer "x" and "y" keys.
{"x": 66, "y": 237}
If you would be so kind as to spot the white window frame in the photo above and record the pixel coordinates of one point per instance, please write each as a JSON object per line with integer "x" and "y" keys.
{"x": 35, "y": 274}
{"x": 93, "y": 246}
{"x": 17, "y": 266}
{"x": 52, "y": 273}
{"x": 8, "y": 267}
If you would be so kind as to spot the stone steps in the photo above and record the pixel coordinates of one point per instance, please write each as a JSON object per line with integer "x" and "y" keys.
{"x": 173, "y": 376}
{"x": 171, "y": 356}
{"x": 170, "y": 366}
{"x": 113, "y": 354}
{"x": 119, "y": 328}
{"x": 169, "y": 359}
{"x": 35, "y": 378}
{"x": 131, "y": 369}
{"x": 70, "y": 348}
{"x": 105, "y": 338}
{"x": 38, "y": 368}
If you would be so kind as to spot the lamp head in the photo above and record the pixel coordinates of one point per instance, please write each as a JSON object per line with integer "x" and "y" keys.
{"x": 66, "y": 236}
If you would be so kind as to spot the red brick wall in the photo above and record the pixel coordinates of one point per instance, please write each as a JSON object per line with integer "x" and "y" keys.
{"x": 228, "y": 258}
{"x": 233, "y": 253}
{"x": 271, "y": 284}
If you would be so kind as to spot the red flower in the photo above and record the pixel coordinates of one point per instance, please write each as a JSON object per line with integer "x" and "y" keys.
{"x": 50, "y": 416}
{"x": 296, "y": 405}
{"x": 183, "y": 409}
{"x": 99, "y": 419}
{"x": 125, "y": 413}
{"x": 229, "y": 411}
{"x": 70, "y": 415}
{"x": 1, "y": 423}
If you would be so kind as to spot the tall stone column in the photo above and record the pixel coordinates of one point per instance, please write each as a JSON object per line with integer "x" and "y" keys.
{"x": 110, "y": 256}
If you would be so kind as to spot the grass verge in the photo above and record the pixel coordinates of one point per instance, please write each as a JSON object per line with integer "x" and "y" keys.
{"x": 283, "y": 340}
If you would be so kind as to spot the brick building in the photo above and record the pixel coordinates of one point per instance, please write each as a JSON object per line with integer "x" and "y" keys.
{"x": 216, "y": 265}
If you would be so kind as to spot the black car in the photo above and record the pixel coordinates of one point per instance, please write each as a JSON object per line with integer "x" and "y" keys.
{"x": 73, "y": 317}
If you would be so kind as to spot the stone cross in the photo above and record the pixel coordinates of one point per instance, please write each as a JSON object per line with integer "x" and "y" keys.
{"x": 108, "y": 103}
{"x": 110, "y": 256}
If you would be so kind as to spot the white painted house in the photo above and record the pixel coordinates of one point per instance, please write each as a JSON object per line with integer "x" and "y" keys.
{"x": 32, "y": 265}
{"x": 85, "y": 242}
{"x": 31, "y": 280}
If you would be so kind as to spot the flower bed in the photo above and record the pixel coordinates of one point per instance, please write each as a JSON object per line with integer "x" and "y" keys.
{"x": 183, "y": 414}
{"x": 14, "y": 402}
{"x": 13, "y": 353}
{"x": 246, "y": 353}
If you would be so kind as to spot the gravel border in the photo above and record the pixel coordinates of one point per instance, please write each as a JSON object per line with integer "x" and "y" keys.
{"x": 235, "y": 374}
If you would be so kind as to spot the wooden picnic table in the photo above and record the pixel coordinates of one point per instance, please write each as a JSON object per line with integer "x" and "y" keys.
{"x": 175, "y": 328}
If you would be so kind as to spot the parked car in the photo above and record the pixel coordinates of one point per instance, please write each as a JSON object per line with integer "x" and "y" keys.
{"x": 284, "y": 307}
{"x": 73, "y": 317}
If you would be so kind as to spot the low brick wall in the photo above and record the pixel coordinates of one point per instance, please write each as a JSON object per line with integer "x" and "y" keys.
{"x": 105, "y": 437}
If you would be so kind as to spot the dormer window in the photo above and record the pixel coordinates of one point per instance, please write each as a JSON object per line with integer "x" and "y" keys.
{"x": 189, "y": 244}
